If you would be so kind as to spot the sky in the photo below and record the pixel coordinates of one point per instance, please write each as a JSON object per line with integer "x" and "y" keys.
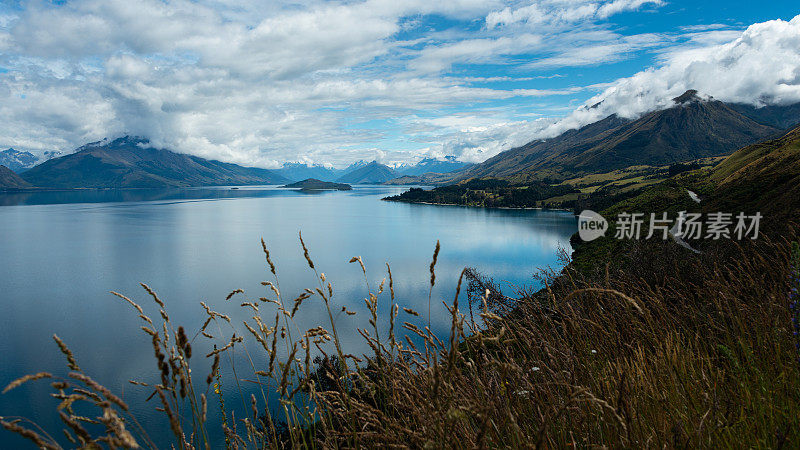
{"x": 262, "y": 82}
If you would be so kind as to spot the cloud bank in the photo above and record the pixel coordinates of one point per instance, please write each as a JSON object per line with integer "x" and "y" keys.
{"x": 260, "y": 83}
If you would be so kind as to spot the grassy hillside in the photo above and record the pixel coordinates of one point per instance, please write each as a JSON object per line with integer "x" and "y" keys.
{"x": 762, "y": 178}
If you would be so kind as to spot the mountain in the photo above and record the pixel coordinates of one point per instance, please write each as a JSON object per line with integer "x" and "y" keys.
{"x": 302, "y": 171}
{"x": 317, "y": 185}
{"x": 10, "y": 180}
{"x": 372, "y": 173}
{"x": 433, "y": 165}
{"x": 17, "y": 160}
{"x": 691, "y": 128}
{"x": 779, "y": 116}
{"x": 130, "y": 162}
{"x": 426, "y": 179}
{"x": 21, "y": 161}
{"x": 356, "y": 165}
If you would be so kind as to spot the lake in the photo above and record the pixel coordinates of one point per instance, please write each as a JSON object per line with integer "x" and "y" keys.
{"x": 62, "y": 252}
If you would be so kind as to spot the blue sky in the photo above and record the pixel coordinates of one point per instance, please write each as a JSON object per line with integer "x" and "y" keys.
{"x": 263, "y": 82}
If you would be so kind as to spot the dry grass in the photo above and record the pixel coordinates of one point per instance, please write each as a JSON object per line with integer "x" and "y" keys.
{"x": 696, "y": 355}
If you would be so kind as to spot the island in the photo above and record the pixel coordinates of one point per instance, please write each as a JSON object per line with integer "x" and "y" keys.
{"x": 312, "y": 184}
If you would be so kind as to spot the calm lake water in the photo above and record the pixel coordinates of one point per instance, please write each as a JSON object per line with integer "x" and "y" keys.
{"x": 62, "y": 252}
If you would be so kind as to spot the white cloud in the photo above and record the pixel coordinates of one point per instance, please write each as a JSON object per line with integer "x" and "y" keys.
{"x": 760, "y": 66}
{"x": 434, "y": 59}
{"x": 592, "y": 53}
{"x": 560, "y": 12}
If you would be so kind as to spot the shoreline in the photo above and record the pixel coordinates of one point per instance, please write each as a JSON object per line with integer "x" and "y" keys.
{"x": 482, "y": 207}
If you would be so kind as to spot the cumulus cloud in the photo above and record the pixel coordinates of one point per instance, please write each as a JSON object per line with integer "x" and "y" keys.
{"x": 761, "y": 66}
{"x": 560, "y": 12}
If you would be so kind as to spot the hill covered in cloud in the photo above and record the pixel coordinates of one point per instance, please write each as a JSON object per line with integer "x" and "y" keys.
{"x": 760, "y": 67}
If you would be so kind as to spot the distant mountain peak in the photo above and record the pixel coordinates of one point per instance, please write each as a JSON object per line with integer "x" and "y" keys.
{"x": 371, "y": 173}
{"x": 16, "y": 160}
{"x": 131, "y": 140}
{"x": 116, "y": 142}
{"x": 690, "y": 96}
{"x": 94, "y": 144}
{"x": 432, "y": 164}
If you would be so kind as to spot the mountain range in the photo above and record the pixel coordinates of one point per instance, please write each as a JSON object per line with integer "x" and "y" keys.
{"x": 360, "y": 172}
{"x": 372, "y": 172}
{"x": 432, "y": 165}
{"x": 301, "y": 171}
{"x": 16, "y": 160}
{"x": 131, "y": 162}
{"x": 20, "y": 161}
{"x": 691, "y": 128}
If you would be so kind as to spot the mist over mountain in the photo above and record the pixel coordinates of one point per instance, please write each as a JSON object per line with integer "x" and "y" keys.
{"x": 373, "y": 172}
{"x": 302, "y": 171}
{"x": 433, "y": 165}
{"x": 693, "y": 127}
{"x": 130, "y": 162}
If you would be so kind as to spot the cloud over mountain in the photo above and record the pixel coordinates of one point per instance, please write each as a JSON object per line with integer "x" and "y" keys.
{"x": 760, "y": 66}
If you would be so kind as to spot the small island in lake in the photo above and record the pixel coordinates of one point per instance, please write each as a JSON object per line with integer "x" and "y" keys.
{"x": 312, "y": 184}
